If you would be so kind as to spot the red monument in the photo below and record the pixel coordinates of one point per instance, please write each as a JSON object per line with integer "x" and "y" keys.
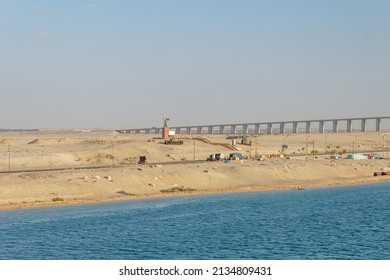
{"x": 165, "y": 129}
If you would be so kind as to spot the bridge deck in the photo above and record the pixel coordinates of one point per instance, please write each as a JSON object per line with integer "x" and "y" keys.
{"x": 255, "y": 127}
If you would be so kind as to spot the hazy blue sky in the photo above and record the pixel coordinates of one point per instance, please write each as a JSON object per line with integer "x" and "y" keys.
{"x": 123, "y": 64}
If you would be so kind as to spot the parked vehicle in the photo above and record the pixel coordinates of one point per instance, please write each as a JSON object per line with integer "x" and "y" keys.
{"x": 216, "y": 157}
{"x": 335, "y": 157}
{"x": 236, "y": 156}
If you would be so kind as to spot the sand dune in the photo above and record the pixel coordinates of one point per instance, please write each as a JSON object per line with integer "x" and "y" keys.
{"x": 6, "y": 142}
{"x": 37, "y": 141}
{"x": 126, "y": 181}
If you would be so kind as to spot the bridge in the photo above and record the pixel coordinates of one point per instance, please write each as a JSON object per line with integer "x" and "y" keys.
{"x": 281, "y": 127}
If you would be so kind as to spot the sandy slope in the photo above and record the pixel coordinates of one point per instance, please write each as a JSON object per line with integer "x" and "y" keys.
{"x": 45, "y": 150}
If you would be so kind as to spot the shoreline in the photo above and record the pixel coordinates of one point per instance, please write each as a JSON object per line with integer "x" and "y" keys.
{"x": 194, "y": 175}
{"x": 355, "y": 182}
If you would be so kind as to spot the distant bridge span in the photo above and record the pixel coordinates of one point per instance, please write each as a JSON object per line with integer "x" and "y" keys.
{"x": 267, "y": 127}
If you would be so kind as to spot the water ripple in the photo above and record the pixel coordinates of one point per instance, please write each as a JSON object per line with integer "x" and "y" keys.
{"x": 329, "y": 223}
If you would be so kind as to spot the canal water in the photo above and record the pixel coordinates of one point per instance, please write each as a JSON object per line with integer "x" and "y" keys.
{"x": 350, "y": 222}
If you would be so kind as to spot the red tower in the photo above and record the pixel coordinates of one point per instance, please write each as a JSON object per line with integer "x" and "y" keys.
{"x": 165, "y": 129}
{"x": 165, "y": 133}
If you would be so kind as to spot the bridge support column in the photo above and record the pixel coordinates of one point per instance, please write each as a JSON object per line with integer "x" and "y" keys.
{"x": 282, "y": 128}
{"x": 221, "y": 129}
{"x": 177, "y": 130}
{"x": 349, "y": 125}
{"x": 188, "y": 130}
{"x": 363, "y": 125}
{"x": 378, "y": 124}
{"x": 321, "y": 127}
{"x": 245, "y": 129}
{"x": 295, "y": 127}
{"x": 210, "y": 130}
{"x": 257, "y": 128}
{"x": 335, "y": 126}
{"x": 147, "y": 131}
{"x": 269, "y": 128}
{"x": 233, "y": 129}
{"x": 199, "y": 130}
{"x": 308, "y": 127}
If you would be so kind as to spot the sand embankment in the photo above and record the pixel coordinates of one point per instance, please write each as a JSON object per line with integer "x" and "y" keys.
{"x": 38, "y": 189}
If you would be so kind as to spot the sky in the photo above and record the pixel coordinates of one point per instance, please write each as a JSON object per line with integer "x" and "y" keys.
{"x": 124, "y": 64}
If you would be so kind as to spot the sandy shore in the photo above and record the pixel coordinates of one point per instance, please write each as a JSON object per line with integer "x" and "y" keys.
{"x": 128, "y": 181}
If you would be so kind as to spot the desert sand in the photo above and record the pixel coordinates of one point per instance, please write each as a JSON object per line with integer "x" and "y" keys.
{"x": 126, "y": 180}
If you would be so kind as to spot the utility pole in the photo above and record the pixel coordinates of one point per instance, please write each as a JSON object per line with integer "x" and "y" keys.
{"x": 9, "y": 157}
{"x": 256, "y": 154}
{"x": 313, "y": 149}
{"x": 307, "y": 145}
{"x": 113, "y": 151}
{"x": 383, "y": 146}
{"x": 250, "y": 144}
{"x": 326, "y": 144}
{"x": 284, "y": 143}
{"x": 194, "y": 149}
{"x": 354, "y": 144}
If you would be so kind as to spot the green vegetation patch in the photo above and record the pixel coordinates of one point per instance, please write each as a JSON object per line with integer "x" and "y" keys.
{"x": 55, "y": 199}
{"x": 177, "y": 189}
{"x": 122, "y": 192}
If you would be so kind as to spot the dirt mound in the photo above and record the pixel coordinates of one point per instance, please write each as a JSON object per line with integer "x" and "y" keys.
{"x": 65, "y": 140}
{"x": 114, "y": 133}
{"x": 92, "y": 142}
{"x": 5, "y": 142}
{"x": 36, "y": 141}
{"x": 96, "y": 142}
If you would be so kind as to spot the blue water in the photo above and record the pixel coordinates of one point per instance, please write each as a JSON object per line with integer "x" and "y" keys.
{"x": 326, "y": 223}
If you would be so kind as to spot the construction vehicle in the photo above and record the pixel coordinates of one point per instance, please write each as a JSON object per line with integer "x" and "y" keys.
{"x": 142, "y": 160}
{"x": 173, "y": 141}
{"x": 216, "y": 157}
{"x": 246, "y": 140}
{"x": 383, "y": 171}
